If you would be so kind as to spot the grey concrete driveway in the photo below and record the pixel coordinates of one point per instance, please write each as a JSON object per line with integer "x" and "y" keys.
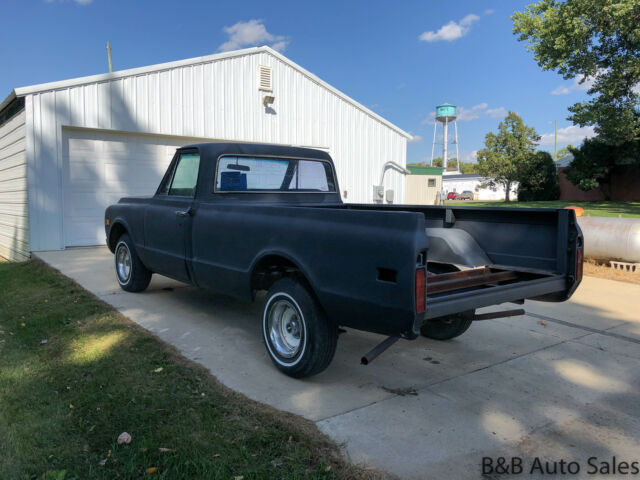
{"x": 562, "y": 382}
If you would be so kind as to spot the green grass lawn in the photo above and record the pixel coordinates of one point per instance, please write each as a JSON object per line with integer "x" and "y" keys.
{"x": 595, "y": 209}
{"x": 75, "y": 374}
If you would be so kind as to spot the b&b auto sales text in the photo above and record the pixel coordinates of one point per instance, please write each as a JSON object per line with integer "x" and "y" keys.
{"x": 541, "y": 466}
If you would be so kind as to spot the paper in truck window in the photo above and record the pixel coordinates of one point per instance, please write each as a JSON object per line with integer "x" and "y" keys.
{"x": 259, "y": 174}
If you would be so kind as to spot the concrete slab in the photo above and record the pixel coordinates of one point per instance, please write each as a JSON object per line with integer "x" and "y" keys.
{"x": 568, "y": 389}
{"x": 544, "y": 376}
{"x": 598, "y": 303}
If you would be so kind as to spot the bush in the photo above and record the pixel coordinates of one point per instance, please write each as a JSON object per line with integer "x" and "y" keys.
{"x": 539, "y": 179}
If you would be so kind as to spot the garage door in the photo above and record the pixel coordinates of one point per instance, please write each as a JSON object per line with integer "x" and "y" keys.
{"x": 100, "y": 168}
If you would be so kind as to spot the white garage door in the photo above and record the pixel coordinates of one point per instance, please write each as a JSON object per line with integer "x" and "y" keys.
{"x": 100, "y": 168}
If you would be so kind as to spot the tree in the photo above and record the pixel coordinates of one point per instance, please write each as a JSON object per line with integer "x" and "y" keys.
{"x": 538, "y": 178}
{"x": 469, "y": 167}
{"x": 595, "y": 161}
{"x": 563, "y": 152}
{"x": 452, "y": 163}
{"x": 506, "y": 153}
{"x": 597, "y": 43}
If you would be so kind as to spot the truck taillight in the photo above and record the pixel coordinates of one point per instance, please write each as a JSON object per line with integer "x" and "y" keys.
{"x": 421, "y": 290}
{"x": 579, "y": 261}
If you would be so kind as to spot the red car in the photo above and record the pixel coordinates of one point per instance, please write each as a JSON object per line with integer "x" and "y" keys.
{"x": 451, "y": 196}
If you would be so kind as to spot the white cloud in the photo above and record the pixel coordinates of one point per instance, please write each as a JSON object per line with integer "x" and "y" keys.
{"x": 572, "y": 134}
{"x": 468, "y": 156}
{"x": 489, "y": 11}
{"x": 577, "y": 85}
{"x": 415, "y": 139}
{"x": 499, "y": 112}
{"x": 430, "y": 120}
{"x": 251, "y": 33}
{"x": 450, "y": 31}
{"x": 466, "y": 114}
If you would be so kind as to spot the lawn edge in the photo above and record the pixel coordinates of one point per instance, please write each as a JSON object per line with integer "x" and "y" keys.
{"x": 325, "y": 448}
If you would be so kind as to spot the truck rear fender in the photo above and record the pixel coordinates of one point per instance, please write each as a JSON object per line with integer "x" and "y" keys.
{"x": 271, "y": 266}
{"x": 118, "y": 227}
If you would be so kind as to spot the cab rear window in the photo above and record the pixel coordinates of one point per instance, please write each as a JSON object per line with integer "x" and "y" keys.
{"x": 262, "y": 174}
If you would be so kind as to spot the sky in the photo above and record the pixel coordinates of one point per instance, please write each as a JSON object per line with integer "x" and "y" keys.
{"x": 398, "y": 58}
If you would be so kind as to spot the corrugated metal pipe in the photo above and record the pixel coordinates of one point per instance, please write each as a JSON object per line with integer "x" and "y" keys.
{"x": 611, "y": 238}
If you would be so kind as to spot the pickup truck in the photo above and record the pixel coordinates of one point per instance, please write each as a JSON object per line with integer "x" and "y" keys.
{"x": 243, "y": 219}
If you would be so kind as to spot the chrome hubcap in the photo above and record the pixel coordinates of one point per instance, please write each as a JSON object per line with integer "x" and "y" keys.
{"x": 123, "y": 263}
{"x": 285, "y": 328}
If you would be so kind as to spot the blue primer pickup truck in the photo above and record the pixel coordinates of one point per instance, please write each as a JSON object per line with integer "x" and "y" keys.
{"x": 244, "y": 218}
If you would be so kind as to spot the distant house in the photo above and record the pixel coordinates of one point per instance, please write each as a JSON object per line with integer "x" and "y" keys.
{"x": 473, "y": 182}
{"x": 423, "y": 186}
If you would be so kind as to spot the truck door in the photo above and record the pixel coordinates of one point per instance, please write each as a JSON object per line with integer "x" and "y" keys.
{"x": 168, "y": 218}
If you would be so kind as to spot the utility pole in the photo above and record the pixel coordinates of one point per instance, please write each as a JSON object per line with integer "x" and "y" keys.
{"x": 109, "y": 55}
{"x": 555, "y": 142}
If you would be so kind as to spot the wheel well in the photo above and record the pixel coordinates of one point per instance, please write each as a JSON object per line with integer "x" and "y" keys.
{"x": 272, "y": 268}
{"x": 114, "y": 234}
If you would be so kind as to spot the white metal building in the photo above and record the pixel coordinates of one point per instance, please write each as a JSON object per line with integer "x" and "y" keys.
{"x": 70, "y": 148}
{"x": 473, "y": 182}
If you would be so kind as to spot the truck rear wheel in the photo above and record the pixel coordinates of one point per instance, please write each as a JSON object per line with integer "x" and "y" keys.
{"x": 132, "y": 275}
{"x": 446, "y": 328}
{"x": 300, "y": 339}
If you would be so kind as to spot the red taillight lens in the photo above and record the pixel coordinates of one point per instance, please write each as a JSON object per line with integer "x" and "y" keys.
{"x": 579, "y": 262}
{"x": 421, "y": 290}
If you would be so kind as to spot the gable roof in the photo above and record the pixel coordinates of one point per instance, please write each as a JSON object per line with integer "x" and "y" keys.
{"x": 22, "y": 91}
{"x": 462, "y": 176}
{"x": 420, "y": 170}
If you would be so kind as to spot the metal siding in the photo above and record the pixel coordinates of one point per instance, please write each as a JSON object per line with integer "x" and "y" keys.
{"x": 14, "y": 223}
{"x": 217, "y": 100}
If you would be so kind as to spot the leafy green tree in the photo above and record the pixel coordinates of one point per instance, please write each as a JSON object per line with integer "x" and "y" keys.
{"x": 507, "y": 152}
{"x": 595, "y": 161}
{"x": 452, "y": 163}
{"x": 437, "y": 162}
{"x": 594, "y": 41}
{"x": 469, "y": 167}
{"x": 563, "y": 152}
{"x": 538, "y": 178}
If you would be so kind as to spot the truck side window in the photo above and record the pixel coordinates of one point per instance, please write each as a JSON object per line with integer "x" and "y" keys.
{"x": 185, "y": 176}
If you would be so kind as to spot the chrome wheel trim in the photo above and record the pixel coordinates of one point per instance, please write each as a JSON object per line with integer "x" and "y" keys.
{"x": 123, "y": 263}
{"x": 285, "y": 328}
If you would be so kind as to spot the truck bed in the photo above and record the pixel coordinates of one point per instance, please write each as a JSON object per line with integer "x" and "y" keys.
{"x": 509, "y": 255}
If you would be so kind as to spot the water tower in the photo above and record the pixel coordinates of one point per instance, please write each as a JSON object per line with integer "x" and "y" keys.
{"x": 446, "y": 114}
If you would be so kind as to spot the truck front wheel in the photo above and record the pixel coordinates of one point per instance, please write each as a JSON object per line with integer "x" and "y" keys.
{"x": 300, "y": 339}
{"x": 446, "y": 328}
{"x": 132, "y": 275}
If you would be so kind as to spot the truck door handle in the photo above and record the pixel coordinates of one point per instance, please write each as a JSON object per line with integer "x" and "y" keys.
{"x": 184, "y": 213}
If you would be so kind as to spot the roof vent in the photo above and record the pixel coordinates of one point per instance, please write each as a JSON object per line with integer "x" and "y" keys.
{"x": 264, "y": 78}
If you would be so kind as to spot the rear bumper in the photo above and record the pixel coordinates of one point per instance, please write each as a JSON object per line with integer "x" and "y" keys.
{"x": 470, "y": 300}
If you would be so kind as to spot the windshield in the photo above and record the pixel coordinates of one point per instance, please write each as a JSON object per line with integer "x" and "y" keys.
{"x": 259, "y": 174}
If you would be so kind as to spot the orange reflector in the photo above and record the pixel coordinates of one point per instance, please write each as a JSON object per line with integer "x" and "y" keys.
{"x": 106, "y": 222}
{"x": 421, "y": 290}
{"x": 579, "y": 211}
